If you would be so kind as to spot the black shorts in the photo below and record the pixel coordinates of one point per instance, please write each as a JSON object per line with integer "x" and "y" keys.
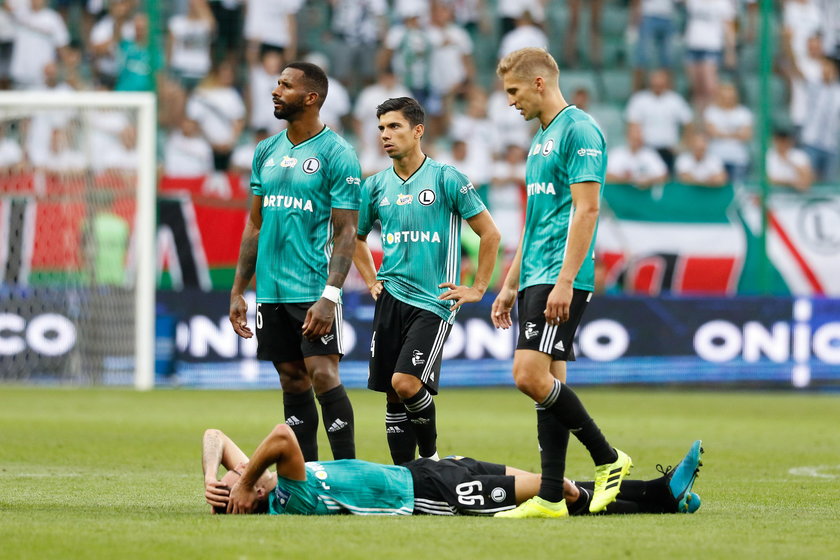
{"x": 534, "y": 334}
{"x": 460, "y": 485}
{"x": 405, "y": 339}
{"x": 280, "y": 333}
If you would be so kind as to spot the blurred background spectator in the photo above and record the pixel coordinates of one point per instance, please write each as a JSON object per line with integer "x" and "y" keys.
{"x": 730, "y": 128}
{"x": 697, "y": 166}
{"x": 635, "y": 163}
{"x": 787, "y": 165}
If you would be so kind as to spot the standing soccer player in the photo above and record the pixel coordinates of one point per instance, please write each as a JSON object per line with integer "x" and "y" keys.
{"x": 553, "y": 275}
{"x": 419, "y": 203}
{"x": 299, "y": 239}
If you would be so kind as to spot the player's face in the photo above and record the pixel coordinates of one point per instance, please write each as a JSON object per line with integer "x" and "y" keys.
{"x": 290, "y": 95}
{"x": 398, "y": 137}
{"x": 523, "y": 95}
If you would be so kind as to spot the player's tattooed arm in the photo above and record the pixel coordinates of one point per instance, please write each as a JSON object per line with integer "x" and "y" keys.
{"x": 320, "y": 317}
{"x": 344, "y": 245}
{"x": 218, "y": 449}
{"x": 245, "y": 268}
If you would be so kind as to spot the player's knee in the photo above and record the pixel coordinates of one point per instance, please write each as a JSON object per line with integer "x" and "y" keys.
{"x": 324, "y": 378}
{"x": 525, "y": 380}
{"x": 406, "y": 386}
{"x": 282, "y": 432}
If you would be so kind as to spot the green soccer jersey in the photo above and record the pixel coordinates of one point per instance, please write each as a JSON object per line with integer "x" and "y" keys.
{"x": 421, "y": 230}
{"x": 345, "y": 486}
{"x": 571, "y": 149}
{"x": 300, "y": 185}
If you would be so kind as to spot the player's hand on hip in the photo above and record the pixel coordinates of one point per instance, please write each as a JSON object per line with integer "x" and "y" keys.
{"x": 502, "y": 306}
{"x": 242, "y": 499}
{"x": 319, "y": 319}
{"x": 238, "y": 316}
{"x": 376, "y": 289}
{"x": 216, "y": 493}
{"x": 558, "y": 304}
{"x": 459, "y": 295}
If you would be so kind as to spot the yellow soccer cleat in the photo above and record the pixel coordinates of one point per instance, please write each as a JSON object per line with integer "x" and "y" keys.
{"x": 608, "y": 480}
{"x": 536, "y": 508}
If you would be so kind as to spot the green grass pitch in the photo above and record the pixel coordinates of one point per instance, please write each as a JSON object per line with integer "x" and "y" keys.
{"x": 105, "y": 473}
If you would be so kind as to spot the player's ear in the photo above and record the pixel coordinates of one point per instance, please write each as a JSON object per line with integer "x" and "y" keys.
{"x": 539, "y": 83}
{"x": 419, "y": 130}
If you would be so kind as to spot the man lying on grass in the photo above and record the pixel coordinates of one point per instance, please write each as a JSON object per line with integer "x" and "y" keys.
{"x": 451, "y": 486}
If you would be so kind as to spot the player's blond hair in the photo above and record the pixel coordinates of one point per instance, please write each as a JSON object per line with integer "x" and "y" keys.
{"x": 529, "y": 63}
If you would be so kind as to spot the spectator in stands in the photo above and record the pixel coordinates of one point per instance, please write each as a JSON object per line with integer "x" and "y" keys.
{"x": 801, "y": 20}
{"x": 371, "y": 156}
{"x": 472, "y": 163}
{"x": 511, "y": 10}
{"x": 39, "y": 133}
{"x": 65, "y": 160}
{"x": 7, "y": 45}
{"x": 475, "y": 127}
{"x": 40, "y": 37}
{"x": 697, "y": 166}
{"x": 104, "y": 41}
{"x": 510, "y": 127}
{"x": 656, "y": 25}
{"x": 452, "y": 62}
{"x": 526, "y": 33}
{"x": 271, "y": 24}
{"x": 220, "y": 112}
{"x": 187, "y": 153}
{"x": 357, "y": 29}
{"x": 243, "y": 157}
{"x": 473, "y": 16}
{"x": 262, "y": 79}
{"x": 507, "y": 196}
{"x": 337, "y": 104}
{"x": 661, "y": 113}
{"x": 188, "y": 43}
{"x": 635, "y": 163}
{"x": 228, "y": 16}
{"x": 72, "y": 72}
{"x": 12, "y": 158}
{"x": 730, "y": 128}
{"x": 831, "y": 30}
{"x": 710, "y": 41}
{"x": 788, "y": 166}
{"x": 137, "y": 64}
{"x": 570, "y": 42}
{"x": 821, "y": 129}
{"x": 801, "y": 71}
{"x": 409, "y": 47}
{"x": 121, "y": 157}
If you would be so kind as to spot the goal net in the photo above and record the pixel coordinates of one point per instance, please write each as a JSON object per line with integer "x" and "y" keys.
{"x": 77, "y": 195}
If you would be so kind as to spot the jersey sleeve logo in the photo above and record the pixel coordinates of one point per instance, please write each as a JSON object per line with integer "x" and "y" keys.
{"x": 467, "y": 188}
{"x": 426, "y": 197}
{"x": 311, "y": 165}
{"x": 592, "y": 152}
{"x": 548, "y": 147}
{"x": 404, "y": 199}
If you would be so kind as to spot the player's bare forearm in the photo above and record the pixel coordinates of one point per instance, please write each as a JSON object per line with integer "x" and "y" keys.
{"x": 247, "y": 262}
{"x": 344, "y": 245}
{"x": 211, "y": 453}
{"x": 586, "y": 198}
{"x": 363, "y": 259}
{"x": 488, "y": 248}
{"x": 512, "y": 278}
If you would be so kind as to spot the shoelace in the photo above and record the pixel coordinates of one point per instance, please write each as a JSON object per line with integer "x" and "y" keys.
{"x": 664, "y": 470}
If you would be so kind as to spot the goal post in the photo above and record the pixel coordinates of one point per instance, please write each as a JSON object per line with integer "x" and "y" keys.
{"x": 77, "y": 236}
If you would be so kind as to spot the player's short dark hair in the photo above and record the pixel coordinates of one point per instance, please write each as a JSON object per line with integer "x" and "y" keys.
{"x": 314, "y": 78}
{"x": 409, "y": 107}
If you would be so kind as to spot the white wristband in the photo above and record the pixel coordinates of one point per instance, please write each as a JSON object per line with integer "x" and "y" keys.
{"x": 331, "y": 293}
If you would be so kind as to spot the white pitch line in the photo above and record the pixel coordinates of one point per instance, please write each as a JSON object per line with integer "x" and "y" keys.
{"x": 814, "y": 472}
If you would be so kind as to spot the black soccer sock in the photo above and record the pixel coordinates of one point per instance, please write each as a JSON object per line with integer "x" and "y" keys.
{"x": 302, "y": 416}
{"x": 553, "y": 438}
{"x": 581, "y": 506}
{"x": 338, "y": 419}
{"x": 400, "y": 433}
{"x": 421, "y": 412}
{"x": 563, "y": 402}
{"x": 640, "y": 496}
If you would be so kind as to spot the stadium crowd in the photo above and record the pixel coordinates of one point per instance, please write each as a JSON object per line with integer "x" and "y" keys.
{"x": 673, "y": 83}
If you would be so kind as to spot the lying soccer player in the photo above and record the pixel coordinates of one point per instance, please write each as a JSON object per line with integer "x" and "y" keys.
{"x": 455, "y": 485}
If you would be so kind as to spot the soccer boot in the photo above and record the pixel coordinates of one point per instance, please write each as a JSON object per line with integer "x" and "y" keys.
{"x": 536, "y": 508}
{"x": 608, "y": 479}
{"x": 692, "y": 503}
{"x": 682, "y": 478}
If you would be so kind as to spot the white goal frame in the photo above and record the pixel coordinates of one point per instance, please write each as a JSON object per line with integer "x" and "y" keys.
{"x": 144, "y": 288}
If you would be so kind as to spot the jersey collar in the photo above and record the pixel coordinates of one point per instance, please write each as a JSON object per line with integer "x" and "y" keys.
{"x": 407, "y": 179}
{"x": 323, "y": 130}
{"x": 557, "y": 115}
